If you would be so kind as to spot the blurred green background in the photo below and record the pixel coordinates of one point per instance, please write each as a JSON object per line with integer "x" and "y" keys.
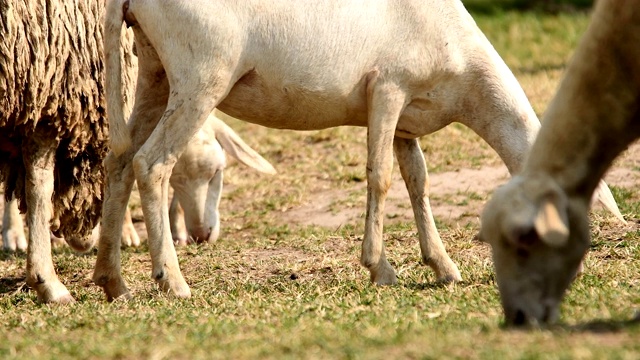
{"x": 553, "y": 6}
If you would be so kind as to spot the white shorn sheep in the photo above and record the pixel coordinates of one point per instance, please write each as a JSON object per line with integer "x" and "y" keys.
{"x": 537, "y": 223}
{"x": 403, "y": 69}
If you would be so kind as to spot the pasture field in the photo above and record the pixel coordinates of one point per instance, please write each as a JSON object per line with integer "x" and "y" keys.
{"x": 284, "y": 280}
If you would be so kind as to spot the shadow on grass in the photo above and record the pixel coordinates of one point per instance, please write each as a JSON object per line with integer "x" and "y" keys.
{"x": 12, "y": 285}
{"x": 599, "y": 326}
{"x": 425, "y": 286}
{"x": 6, "y": 255}
{"x": 605, "y": 326}
{"x": 543, "y": 6}
{"x": 485, "y": 280}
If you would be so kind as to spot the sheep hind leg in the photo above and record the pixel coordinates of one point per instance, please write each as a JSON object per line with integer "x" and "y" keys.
{"x": 184, "y": 116}
{"x": 107, "y": 272}
{"x": 386, "y": 101}
{"x": 39, "y": 156}
{"x": 416, "y": 178}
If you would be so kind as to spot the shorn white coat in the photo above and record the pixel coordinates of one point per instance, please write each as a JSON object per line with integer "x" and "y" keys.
{"x": 401, "y": 68}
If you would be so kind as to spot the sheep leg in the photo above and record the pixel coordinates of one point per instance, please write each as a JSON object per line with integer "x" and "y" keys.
{"x": 13, "y": 237}
{"x": 120, "y": 178}
{"x": 386, "y": 102}
{"x": 416, "y": 178}
{"x": 214, "y": 194}
{"x": 107, "y": 272}
{"x": 176, "y": 222}
{"x": 39, "y": 158}
{"x": 129, "y": 234}
{"x": 186, "y": 113}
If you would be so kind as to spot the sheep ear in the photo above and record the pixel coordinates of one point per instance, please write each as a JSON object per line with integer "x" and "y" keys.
{"x": 551, "y": 222}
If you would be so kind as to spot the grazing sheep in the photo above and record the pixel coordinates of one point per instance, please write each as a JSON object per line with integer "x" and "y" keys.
{"x": 537, "y": 223}
{"x": 53, "y": 130}
{"x": 401, "y": 68}
{"x": 197, "y": 182}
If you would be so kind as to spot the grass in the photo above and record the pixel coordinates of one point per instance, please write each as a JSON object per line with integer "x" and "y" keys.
{"x": 272, "y": 289}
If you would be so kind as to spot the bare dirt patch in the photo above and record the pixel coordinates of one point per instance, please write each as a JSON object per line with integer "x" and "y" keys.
{"x": 456, "y": 196}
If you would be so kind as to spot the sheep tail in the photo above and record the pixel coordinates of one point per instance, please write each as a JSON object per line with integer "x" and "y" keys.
{"x": 120, "y": 139}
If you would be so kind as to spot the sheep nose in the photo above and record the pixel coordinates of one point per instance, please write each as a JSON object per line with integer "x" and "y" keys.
{"x": 520, "y": 318}
{"x": 201, "y": 235}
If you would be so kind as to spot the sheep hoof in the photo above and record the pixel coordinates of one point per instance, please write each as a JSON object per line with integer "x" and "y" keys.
{"x": 54, "y": 293}
{"x": 449, "y": 279}
{"x": 452, "y": 276}
{"x": 113, "y": 288}
{"x": 130, "y": 239}
{"x": 180, "y": 241}
{"x": 117, "y": 293}
{"x": 446, "y": 270}
{"x": 383, "y": 275}
{"x": 176, "y": 287}
{"x": 64, "y": 300}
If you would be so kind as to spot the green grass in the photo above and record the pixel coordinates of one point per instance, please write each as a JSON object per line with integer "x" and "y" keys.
{"x": 269, "y": 289}
{"x": 247, "y": 303}
{"x": 545, "y": 6}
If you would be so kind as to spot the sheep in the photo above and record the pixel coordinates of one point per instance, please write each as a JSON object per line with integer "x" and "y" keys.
{"x": 197, "y": 182}
{"x": 403, "y": 69}
{"x": 53, "y": 129}
{"x": 537, "y": 224}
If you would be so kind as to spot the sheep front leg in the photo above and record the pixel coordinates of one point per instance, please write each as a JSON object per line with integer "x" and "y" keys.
{"x": 107, "y": 272}
{"x": 386, "y": 102}
{"x": 176, "y": 222}
{"x": 416, "y": 178}
{"x": 129, "y": 234}
{"x": 39, "y": 156}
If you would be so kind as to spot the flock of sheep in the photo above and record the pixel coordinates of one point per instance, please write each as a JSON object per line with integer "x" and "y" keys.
{"x": 402, "y": 69}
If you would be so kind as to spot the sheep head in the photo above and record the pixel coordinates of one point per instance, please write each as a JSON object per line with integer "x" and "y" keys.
{"x": 538, "y": 237}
